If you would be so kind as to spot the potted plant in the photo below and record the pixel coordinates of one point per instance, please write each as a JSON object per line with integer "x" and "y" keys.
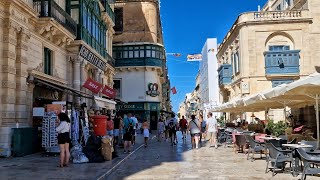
{"x": 276, "y": 129}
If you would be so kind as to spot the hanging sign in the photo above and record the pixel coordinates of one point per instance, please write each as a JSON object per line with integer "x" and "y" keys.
{"x": 92, "y": 85}
{"x": 194, "y": 57}
{"x": 109, "y": 92}
{"x": 92, "y": 58}
{"x": 153, "y": 89}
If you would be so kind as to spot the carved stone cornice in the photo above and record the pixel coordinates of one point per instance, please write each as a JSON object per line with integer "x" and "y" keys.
{"x": 55, "y": 32}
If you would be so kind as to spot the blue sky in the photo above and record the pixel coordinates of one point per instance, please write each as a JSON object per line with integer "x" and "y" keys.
{"x": 186, "y": 25}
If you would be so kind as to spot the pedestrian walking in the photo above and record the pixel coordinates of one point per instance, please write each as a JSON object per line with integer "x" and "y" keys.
{"x": 212, "y": 129}
{"x": 135, "y": 128}
{"x": 145, "y": 127}
{"x": 161, "y": 129}
{"x": 195, "y": 131}
{"x": 203, "y": 128}
{"x": 173, "y": 126}
{"x": 128, "y": 133}
{"x": 183, "y": 124}
{"x": 63, "y": 130}
{"x": 116, "y": 129}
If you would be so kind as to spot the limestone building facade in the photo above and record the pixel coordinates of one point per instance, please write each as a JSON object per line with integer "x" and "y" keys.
{"x": 264, "y": 49}
{"x": 142, "y": 75}
{"x": 40, "y": 53}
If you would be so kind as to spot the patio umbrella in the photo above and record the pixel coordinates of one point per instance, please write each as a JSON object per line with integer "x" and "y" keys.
{"x": 309, "y": 86}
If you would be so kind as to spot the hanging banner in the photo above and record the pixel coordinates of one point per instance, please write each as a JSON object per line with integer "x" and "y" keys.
{"x": 194, "y": 57}
{"x": 92, "y": 85}
{"x": 109, "y": 92}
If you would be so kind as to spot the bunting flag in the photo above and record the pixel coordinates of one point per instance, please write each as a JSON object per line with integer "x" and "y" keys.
{"x": 173, "y": 90}
{"x": 92, "y": 85}
{"x": 194, "y": 57}
{"x": 211, "y": 50}
{"x": 108, "y": 91}
{"x": 177, "y": 54}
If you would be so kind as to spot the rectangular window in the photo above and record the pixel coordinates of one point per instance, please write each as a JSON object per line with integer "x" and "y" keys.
{"x": 117, "y": 87}
{"x": 279, "y": 48}
{"x": 148, "y": 53}
{"x": 136, "y": 54}
{"x": 142, "y": 53}
{"x": 47, "y": 65}
{"x": 118, "y": 13}
{"x": 238, "y": 61}
{"x": 130, "y": 54}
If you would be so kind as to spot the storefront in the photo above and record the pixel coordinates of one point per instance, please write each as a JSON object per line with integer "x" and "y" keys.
{"x": 143, "y": 111}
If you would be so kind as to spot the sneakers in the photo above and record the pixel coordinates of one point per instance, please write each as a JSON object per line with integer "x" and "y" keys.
{"x": 216, "y": 146}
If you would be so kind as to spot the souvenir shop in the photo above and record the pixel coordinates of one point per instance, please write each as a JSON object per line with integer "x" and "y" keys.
{"x": 51, "y": 99}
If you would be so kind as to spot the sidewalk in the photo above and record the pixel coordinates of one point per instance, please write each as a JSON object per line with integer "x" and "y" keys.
{"x": 39, "y": 166}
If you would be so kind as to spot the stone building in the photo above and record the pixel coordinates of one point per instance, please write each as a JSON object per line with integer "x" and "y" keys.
{"x": 141, "y": 77}
{"x": 48, "y": 48}
{"x": 264, "y": 49}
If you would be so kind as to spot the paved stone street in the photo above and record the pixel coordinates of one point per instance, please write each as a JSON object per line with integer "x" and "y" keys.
{"x": 162, "y": 161}
{"x": 38, "y": 166}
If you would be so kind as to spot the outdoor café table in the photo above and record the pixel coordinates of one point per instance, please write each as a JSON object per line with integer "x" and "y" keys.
{"x": 295, "y": 162}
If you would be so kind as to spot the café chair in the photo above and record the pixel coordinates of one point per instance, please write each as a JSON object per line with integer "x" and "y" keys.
{"x": 278, "y": 158}
{"x": 308, "y": 160}
{"x": 254, "y": 147}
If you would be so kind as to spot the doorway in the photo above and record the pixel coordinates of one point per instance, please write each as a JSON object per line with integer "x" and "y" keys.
{"x": 153, "y": 120}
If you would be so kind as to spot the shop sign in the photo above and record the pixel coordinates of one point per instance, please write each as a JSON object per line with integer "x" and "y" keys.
{"x": 131, "y": 106}
{"x": 92, "y": 58}
{"x": 109, "y": 92}
{"x": 92, "y": 85}
{"x": 153, "y": 89}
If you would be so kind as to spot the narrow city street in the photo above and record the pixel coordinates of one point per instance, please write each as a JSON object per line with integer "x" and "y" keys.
{"x": 163, "y": 161}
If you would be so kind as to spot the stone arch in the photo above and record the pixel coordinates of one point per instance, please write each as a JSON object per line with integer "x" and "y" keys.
{"x": 279, "y": 38}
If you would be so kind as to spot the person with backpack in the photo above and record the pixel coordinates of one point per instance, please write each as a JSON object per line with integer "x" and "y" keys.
{"x": 183, "y": 123}
{"x": 173, "y": 125}
{"x": 195, "y": 131}
{"x": 128, "y": 132}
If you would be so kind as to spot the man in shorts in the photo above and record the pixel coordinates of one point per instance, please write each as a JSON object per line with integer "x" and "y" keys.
{"x": 212, "y": 129}
{"x": 173, "y": 125}
{"x": 183, "y": 123}
{"x": 135, "y": 128}
{"x": 128, "y": 131}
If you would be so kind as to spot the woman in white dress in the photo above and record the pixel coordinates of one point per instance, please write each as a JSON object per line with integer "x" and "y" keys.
{"x": 145, "y": 127}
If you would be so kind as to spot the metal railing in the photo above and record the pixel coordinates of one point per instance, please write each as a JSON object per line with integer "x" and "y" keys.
{"x": 49, "y": 8}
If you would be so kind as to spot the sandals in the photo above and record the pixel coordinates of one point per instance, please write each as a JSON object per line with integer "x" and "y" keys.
{"x": 59, "y": 166}
{"x": 64, "y": 165}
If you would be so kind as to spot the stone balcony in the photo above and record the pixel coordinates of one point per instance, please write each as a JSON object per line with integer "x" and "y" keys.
{"x": 55, "y": 24}
{"x": 269, "y": 17}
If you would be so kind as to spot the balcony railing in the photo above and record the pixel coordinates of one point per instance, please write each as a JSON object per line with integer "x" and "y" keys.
{"x": 282, "y": 62}
{"x": 225, "y": 74}
{"x": 110, "y": 59}
{"x": 49, "y": 8}
{"x": 108, "y": 10}
{"x": 275, "y": 15}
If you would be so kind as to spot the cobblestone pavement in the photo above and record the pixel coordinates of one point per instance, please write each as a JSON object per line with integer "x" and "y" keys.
{"x": 38, "y": 166}
{"x": 162, "y": 161}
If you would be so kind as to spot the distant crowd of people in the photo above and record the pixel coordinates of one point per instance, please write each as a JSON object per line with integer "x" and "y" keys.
{"x": 197, "y": 127}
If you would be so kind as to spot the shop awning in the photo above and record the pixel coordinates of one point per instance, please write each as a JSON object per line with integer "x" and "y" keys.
{"x": 105, "y": 103}
{"x": 63, "y": 88}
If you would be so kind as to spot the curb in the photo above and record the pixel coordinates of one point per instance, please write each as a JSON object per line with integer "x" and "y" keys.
{"x": 118, "y": 164}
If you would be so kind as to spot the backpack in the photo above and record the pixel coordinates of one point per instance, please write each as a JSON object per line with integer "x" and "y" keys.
{"x": 172, "y": 125}
{"x": 130, "y": 126}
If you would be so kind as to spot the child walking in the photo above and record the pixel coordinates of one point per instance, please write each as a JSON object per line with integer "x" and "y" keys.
{"x": 145, "y": 127}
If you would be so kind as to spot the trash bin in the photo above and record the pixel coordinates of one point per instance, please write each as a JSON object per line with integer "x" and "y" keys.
{"x": 99, "y": 125}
